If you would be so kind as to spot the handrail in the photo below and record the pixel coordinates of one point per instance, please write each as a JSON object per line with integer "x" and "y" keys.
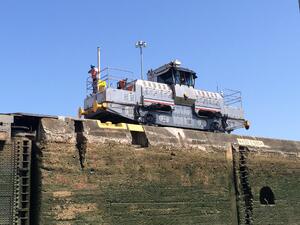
{"x": 111, "y": 76}
{"x": 232, "y": 97}
{"x": 116, "y": 69}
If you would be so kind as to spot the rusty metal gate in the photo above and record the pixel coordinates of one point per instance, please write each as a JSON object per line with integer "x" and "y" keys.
{"x": 15, "y": 163}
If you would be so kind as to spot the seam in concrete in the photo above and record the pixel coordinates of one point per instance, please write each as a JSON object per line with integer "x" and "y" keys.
{"x": 81, "y": 142}
{"x": 235, "y": 184}
{"x": 246, "y": 188}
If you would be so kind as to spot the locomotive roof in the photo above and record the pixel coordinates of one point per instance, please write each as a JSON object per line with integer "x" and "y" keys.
{"x": 172, "y": 65}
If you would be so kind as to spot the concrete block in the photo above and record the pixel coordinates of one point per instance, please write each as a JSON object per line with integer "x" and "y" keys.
{"x": 3, "y": 136}
{"x": 5, "y": 127}
{"x": 182, "y": 138}
{"x": 94, "y": 133}
{"x": 60, "y": 130}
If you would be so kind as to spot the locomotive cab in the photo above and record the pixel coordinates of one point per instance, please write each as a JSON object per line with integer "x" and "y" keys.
{"x": 173, "y": 74}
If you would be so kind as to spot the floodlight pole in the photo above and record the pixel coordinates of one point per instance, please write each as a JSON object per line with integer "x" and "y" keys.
{"x": 141, "y": 54}
{"x": 141, "y": 45}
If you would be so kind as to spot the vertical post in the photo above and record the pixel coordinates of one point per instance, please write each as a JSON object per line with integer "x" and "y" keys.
{"x": 141, "y": 45}
{"x": 141, "y": 53}
{"x": 98, "y": 61}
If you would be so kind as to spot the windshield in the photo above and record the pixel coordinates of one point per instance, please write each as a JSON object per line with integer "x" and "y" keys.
{"x": 166, "y": 78}
{"x": 184, "y": 78}
{"x": 179, "y": 77}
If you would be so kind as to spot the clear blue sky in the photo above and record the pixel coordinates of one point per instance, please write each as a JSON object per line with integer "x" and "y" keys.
{"x": 46, "y": 48}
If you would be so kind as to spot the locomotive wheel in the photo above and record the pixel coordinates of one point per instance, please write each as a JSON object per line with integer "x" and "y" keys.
{"x": 149, "y": 119}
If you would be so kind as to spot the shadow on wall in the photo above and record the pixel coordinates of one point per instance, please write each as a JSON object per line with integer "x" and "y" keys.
{"x": 2, "y": 145}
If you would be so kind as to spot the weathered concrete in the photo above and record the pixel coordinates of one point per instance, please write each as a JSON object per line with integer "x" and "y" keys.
{"x": 95, "y": 134}
{"x": 86, "y": 174}
{"x": 183, "y": 138}
{"x": 60, "y": 130}
{"x": 279, "y": 172}
{"x": 183, "y": 177}
{"x": 5, "y": 127}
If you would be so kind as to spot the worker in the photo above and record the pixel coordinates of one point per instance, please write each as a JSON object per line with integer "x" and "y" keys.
{"x": 122, "y": 83}
{"x": 182, "y": 79}
{"x": 94, "y": 74}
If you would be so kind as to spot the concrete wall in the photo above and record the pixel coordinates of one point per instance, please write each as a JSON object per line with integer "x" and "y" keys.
{"x": 280, "y": 173}
{"x": 182, "y": 177}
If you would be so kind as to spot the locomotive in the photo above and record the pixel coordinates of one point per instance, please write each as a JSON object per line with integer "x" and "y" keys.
{"x": 167, "y": 98}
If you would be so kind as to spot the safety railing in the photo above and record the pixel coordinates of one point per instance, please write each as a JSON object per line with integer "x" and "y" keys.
{"x": 232, "y": 98}
{"x": 111, "y": 76}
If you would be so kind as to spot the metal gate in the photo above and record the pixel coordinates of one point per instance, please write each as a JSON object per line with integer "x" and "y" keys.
{"x": 15, "y": 162}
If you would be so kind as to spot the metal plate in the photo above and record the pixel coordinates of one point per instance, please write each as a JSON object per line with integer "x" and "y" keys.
{"x": 7, "y": 175}
{"x": 15, "y": 161}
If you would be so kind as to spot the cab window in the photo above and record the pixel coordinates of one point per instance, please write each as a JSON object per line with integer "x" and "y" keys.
{"x": 166, "y": 78}
{"x": 184, "y": 78}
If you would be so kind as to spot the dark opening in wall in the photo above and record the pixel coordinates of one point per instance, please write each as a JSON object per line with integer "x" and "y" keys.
{"x": 78, "y": 126}
{"x": 36, "y": 184}
{"x": 2, "y": 145}
{"x": 266, "y": 196}
{"x": 139, "y": 138}
{"x": 81, "y": 142}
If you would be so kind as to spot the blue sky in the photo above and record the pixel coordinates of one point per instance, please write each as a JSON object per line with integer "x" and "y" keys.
{"x": 46, "y": 48}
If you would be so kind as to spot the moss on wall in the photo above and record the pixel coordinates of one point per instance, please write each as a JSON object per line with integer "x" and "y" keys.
{"x": 126, "y": 185}
{"x": 204, "y": 178}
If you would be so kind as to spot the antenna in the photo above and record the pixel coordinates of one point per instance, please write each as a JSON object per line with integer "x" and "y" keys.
{"x": 141, "y": 45}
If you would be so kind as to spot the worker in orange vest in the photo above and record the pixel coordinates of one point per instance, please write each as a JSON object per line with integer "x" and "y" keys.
{"x": 94, "y": 74}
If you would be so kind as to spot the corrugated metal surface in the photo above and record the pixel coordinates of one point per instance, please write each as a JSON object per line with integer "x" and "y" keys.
{"x": 22, "y": 146}
{"x": 7, "y": 178}
{"x": 15, "y": 160}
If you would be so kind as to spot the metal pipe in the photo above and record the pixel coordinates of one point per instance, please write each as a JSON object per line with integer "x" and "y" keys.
{"x": 98, "y": 60}
{"x": 141, "y": 53}
{"x": 141, "y": 45}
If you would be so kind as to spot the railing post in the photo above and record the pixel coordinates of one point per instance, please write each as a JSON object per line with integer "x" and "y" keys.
{"x": 98, "y": 60}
